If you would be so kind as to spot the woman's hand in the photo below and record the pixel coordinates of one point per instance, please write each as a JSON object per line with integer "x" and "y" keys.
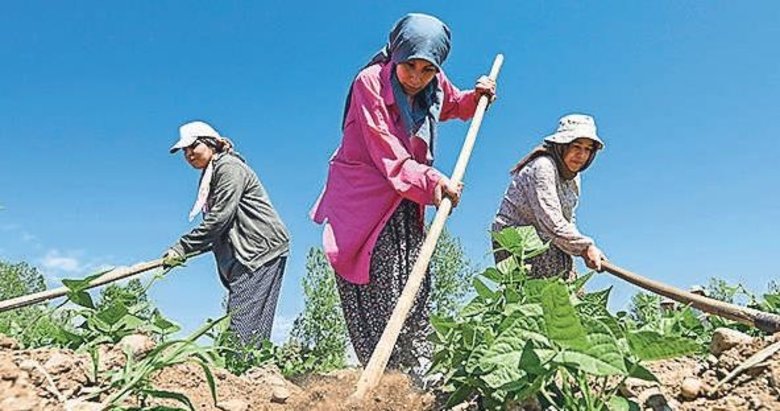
{"x": 446, "y": 188}
{"x": 486, "y": 87}
{"x": 593, "y": 257}
{"x": 172, "y": 258}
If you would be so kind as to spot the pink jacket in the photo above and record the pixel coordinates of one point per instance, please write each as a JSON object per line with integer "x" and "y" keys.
{"x": 376, "y": 166}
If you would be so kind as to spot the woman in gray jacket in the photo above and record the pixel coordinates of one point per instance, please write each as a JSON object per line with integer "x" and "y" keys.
{"x": 240, "y": 225}
{"x": 544, "y": 193}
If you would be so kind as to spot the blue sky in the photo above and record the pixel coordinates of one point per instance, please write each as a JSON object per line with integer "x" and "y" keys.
{"x": 91, "y": 95}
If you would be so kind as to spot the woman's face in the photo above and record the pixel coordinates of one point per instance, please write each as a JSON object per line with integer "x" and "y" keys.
{"x": 198, "y": 155}
{"x": 577, "y": 154}
{"x": 414, "y": 75}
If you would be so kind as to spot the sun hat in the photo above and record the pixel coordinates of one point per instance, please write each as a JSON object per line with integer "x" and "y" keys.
{"x": 574, "y": 126}
{"x": 190, "y": 132}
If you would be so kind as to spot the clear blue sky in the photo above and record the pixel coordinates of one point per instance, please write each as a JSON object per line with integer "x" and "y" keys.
{"x": 91, "y": 95}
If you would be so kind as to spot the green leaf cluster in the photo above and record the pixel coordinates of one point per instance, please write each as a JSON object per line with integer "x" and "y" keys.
{"x": 541, "y": 339}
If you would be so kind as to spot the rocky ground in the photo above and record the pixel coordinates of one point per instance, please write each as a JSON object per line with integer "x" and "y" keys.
{"x": 55, "y": 379}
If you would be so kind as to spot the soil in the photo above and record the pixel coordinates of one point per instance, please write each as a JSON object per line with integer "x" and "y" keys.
{"x": 54, "y": 379}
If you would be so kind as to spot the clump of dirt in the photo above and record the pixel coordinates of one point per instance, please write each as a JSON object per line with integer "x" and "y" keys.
{"x": 57, "y": 379}
{"x": 688, "y": 383}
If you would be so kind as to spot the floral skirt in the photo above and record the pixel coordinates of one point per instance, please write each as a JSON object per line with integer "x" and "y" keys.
{"x": 367, "y": 308}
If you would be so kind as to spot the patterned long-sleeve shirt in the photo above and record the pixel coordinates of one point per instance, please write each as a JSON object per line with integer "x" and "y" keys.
{"x": 538, "y": 196}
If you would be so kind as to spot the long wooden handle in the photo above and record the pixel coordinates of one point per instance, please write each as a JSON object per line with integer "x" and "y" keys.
{"x": 376, "y": 365}
{"x": 109, "y": 277}
{"x": 764, "y": 321}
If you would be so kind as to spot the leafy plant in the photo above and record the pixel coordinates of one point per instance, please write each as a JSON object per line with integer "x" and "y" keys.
{"x": 32, "y": 326}
{"x": 319, "y": 331}
{"x": 522, "y": 339}
{"x": 134, "y": 379}
{"x": 109, "y": 321}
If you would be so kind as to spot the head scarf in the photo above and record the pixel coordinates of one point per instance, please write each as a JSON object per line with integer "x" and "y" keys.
{"x": 415, "y": 36}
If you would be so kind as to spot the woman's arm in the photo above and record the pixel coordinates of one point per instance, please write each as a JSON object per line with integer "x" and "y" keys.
{"x": 409, "y": 178}
{"x": 543, "y": 199}
{"x": 456, "y": 104}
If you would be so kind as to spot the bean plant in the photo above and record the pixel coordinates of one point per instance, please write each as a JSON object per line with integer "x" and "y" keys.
{"x": 542, "y": 339}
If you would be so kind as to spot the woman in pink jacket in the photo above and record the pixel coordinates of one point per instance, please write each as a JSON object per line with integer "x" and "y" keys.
{"x": 381, "y": 178}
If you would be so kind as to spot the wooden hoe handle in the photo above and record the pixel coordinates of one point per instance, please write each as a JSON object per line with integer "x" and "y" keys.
{"x": 376, "y": 365}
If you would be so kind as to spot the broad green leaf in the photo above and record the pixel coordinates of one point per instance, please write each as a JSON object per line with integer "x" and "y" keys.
{"x": 68, "y": 338}
{"x": 504, "y": 374}
{"x": 83, "y": 283}
{"x": 460, "y": 395}
{"x": 509, "y": 344}
{"x": 512, "y": 296}
{"x": 95, "y": 323}
{"x": 529, "y": 310}
{"x": 600, "y": 297}
{"x": 600, "y": 356}
{"x": 581, "y": 281}
{"x": 113, "y": 313}
{"x": 164, "y": 324}
{"x": 560, "y": 318}
{"x": 482, "y": 290}
{"x": 520, "y": 241}
{"x": 131, "y": 322}
{"x": 525, "y": 327}
{"x": 169, "y": 395}
{"x": 650, "y": 345}
{"x": 602, "y": 346}
{"x": 587, "y": 363}
{"x": 475, "y": 307}
{"x": 474, "y": 361}
{"x": 493, "y": 275}
{"x": 509, "y": 240}
{"x": 442, "y": 325}
{"x": 529, "y": 389}
{"x": 618, "y": 403}
{"x": 637, "y": 370}
{"x": 81, "y": 298}
{"x": 506, "y": 267}
{"x": 533, "y": 289}
{"x": 530, "y": 362}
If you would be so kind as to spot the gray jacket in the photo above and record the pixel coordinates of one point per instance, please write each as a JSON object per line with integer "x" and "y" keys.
{"x": 241, "y": 224}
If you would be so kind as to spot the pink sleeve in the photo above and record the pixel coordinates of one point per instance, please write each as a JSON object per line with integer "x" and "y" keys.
{"x": 410, "y": 179}
{"x": 456, "y": 104}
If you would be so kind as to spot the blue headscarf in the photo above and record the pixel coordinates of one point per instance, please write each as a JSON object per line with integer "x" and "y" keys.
{"x": 416, "y": 36}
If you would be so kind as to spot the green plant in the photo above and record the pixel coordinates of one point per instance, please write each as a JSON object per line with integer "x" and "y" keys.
{"x": 129, "y": 294}
{"x": 32, "y": 326}
{"x": 541, "y": 339}
{"x": 134, "y": 379}
{"x": 319, "y": 331}
{"x": 109, "y": 321}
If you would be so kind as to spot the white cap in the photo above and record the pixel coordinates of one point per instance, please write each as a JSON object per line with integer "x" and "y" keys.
{"x": 191, "y": 131}
{"x": 574, "y": 126}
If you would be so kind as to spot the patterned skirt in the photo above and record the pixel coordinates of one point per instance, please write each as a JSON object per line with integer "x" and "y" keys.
{"x": 252, "y": 298}
{"x": 367, "y": 308}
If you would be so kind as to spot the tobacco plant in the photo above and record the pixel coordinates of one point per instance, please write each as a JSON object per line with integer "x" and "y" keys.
{"x": 544, "y": 340}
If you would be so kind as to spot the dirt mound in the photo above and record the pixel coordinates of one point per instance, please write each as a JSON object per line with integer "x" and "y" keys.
{"x": 55, "y": 379}
{"x": 687, "y": 383}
